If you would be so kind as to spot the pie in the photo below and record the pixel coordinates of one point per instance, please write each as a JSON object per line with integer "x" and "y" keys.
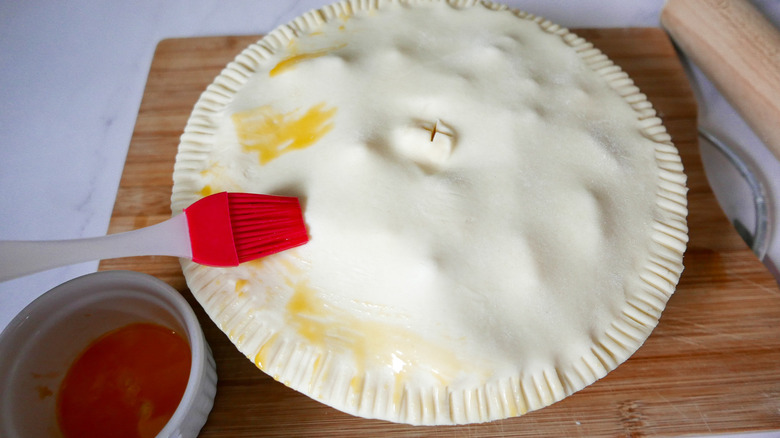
{"x": 497, "y": 216}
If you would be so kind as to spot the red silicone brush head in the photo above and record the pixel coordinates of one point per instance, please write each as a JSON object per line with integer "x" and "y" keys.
{"x": 231, "y": 228}
{"x": 264, "y": 225}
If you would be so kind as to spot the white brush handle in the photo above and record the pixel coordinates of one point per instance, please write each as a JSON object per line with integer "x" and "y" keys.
{"x": 18, "y": 258}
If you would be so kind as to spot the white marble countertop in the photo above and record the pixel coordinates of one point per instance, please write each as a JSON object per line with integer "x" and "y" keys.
{"x": 72, "y": 75}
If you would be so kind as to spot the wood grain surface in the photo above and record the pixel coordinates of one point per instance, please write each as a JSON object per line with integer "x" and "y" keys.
{"x": 711, "y": 366}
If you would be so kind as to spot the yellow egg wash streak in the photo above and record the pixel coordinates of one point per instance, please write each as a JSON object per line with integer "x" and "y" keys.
{"x": 272, "y": 133}
{"x": 296, "y": 59}
{"x": 328, "y": 326}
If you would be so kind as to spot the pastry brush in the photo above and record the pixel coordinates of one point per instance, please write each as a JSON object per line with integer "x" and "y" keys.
{"x": 223, "y": 229}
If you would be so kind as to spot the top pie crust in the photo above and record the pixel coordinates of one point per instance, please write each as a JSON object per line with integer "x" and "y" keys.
{"x": 497, "y": 216}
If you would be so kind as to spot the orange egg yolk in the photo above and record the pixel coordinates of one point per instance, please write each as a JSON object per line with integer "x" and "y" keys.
{"x": 127, "y": 383}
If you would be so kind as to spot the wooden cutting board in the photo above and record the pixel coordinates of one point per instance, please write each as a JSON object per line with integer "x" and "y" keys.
{"x": 712, "y": 365}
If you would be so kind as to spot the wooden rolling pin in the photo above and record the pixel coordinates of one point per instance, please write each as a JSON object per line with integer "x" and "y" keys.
{"x": 739, "y": 51}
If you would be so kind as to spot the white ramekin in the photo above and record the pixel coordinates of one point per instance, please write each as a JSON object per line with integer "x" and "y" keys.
{"x": 41, "y": 342}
